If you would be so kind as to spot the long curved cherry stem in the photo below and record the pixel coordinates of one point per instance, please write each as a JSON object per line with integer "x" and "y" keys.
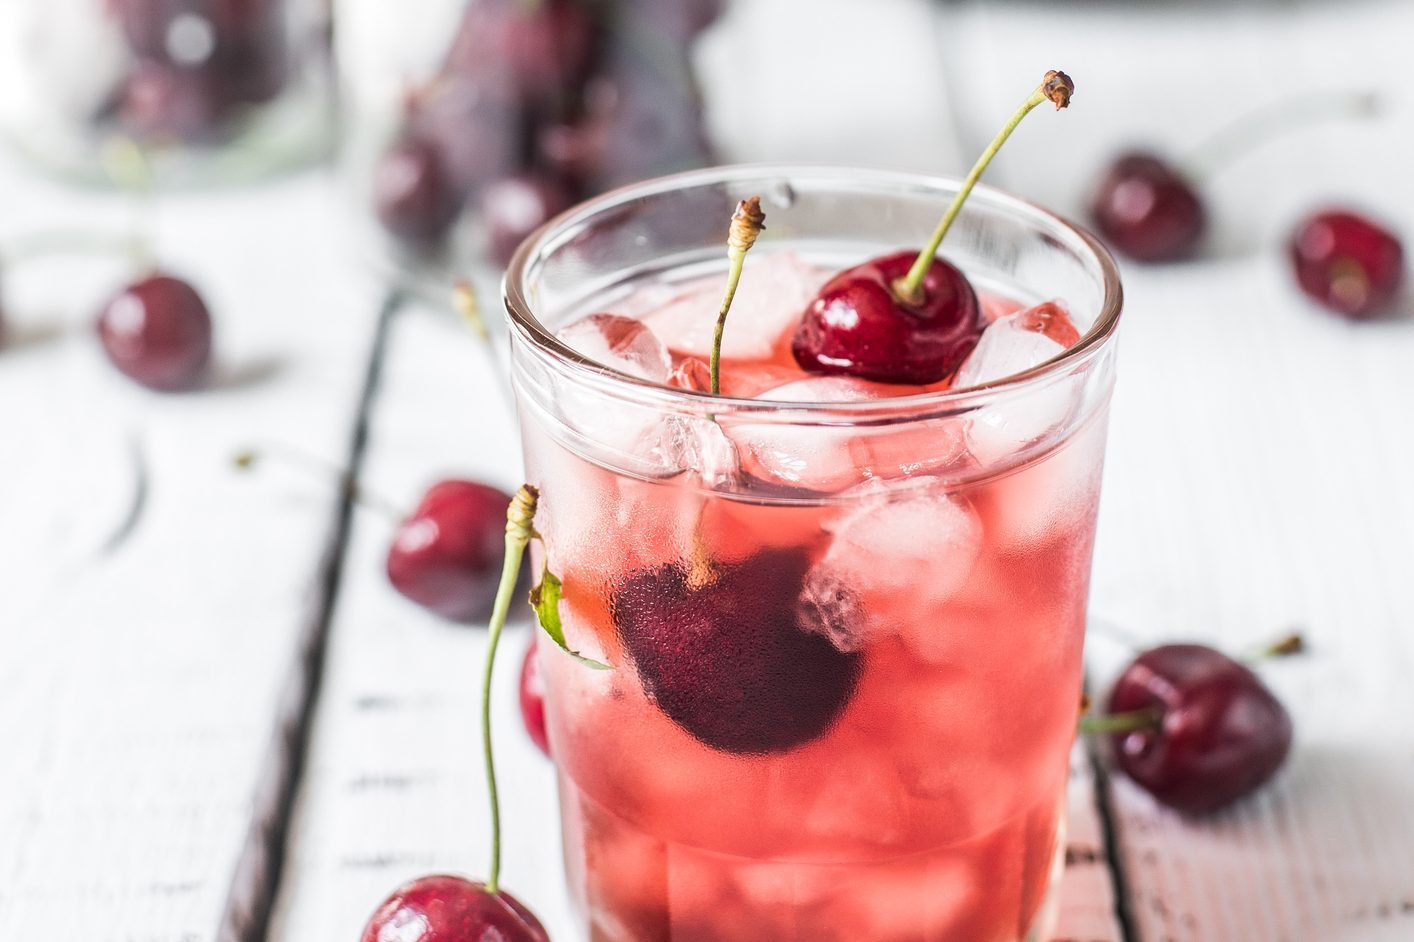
{"x": 1055, "y": 87}
{"x": 747, "y": 223}
{"x": 1272, "y": 120}
{"x": 248, "y": 458}
{"x": 519, "y": 516}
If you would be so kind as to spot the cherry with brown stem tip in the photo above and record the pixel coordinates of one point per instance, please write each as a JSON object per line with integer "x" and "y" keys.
{"x": 909, "y": 317}
{"x": 1150, "y": 209}
{"x": 442, "y": 908}
{"x": 158, "y": 332}
{"x": 1347, "y": 262}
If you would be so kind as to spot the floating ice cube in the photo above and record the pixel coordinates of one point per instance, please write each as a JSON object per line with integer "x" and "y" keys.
{"x": 774, "y": 290}
{"x": 620, "y": 343}
{"x": 1013, "y": 344}
{"x": 895, "y": 561}
{"x": 814, "y": 457}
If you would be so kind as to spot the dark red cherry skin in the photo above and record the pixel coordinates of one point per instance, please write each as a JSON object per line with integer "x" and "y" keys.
{"x": 446, "y": 556}
{"x": 857, "y": 325}
{"x": 1221, "y": 733}
{"x": 545, "y": 48}
{"x": 1347, "y": 262}
{"x": 443, "y": 908}
{"x": 729, "y": 660}
{"x": 158, "y": 332}
{"x": 1148, "y": 210}
{"x": 532, "y": 699}
{"x": 515, "y": 206}
{"x": 164, "y": 101}
{"x": 413, "y": 194}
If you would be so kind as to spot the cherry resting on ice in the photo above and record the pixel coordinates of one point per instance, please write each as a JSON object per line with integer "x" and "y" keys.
{"x": 909, "y": 317}
{"x": 1215, "y": 732}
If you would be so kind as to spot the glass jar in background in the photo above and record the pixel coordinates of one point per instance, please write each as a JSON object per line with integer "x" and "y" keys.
{"x": 210, "y": 90}
{"x": 471, "y": 122}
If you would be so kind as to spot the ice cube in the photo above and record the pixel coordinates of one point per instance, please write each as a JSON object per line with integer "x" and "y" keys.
{"x": 896, "y": 559}
{"x": 620, "y": 343}
{"x": 774, "y": 290}
{"x": 632, "y": 436}
{"x": 1013, "y": 344}
{"x": 815, "y": 457}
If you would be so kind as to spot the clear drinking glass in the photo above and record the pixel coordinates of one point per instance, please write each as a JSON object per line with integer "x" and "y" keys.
{"x": 846, "y": 637}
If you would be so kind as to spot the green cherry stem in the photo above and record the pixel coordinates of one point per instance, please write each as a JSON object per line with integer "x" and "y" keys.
{"x": 1285, "y": 646}
{"x": 747, "y": 223}
{"x": 1130, "y": 722}
{"x": 1055, "y": 87}
{"x": 518, "y": 533}
{"x": 1273, "y": 120}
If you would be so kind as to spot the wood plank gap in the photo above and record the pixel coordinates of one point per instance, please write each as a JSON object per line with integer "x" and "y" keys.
{"x": 256, "y": 880}
{"x": 1109, "y": 831}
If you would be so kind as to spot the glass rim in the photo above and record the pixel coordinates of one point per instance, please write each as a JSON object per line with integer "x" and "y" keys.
{"x": 524, "y": 321}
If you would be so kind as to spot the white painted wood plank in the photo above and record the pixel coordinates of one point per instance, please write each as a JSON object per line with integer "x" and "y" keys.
{"x": 1260, "y": 450}
{"x": 138, "y": 688}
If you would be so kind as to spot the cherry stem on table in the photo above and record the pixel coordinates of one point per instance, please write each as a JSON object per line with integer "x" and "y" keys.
{"x": 1285, "y": 646}
{"x": 1272, "y": 120}
{"x": 519, "y": 517}
{"x": 747, "y": 223}
{"x": 1130, "y": 722}
{"x": 1055, "y": 87}
{"x": 319, "y": 467}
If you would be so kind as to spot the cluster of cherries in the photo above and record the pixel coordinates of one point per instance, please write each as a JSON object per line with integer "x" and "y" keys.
{"x": 538, "y": 104}
{"x": 1151, "y": 210}
{"x": 197, "y": 64}
{"x": 719, "y": 648}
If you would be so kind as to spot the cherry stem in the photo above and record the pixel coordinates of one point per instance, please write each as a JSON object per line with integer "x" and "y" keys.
{"x": 468, "y": 307}
{"x": 519, "y": 516}
{"x": 747, "y": 223}
{"x": 1130, "y": 722}
{"x": 1285, "y": 646}
{"x": 1055, "y": 87}
{"x": 127, "y": 166}
{"x": 1270, "y": 121}
{"x": 318, "y": 467}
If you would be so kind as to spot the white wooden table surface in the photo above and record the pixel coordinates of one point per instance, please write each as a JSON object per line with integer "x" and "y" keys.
{"x": 1260, "y": 460}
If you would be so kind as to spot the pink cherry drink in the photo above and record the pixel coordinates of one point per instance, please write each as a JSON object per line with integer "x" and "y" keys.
{"x": 844, "y": 617}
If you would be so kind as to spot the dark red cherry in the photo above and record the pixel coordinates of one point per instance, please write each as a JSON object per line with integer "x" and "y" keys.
{"x": 451, "y": 909}
{"x": 1220, "y": 734}
{"x": 543, "y": 47}
{"x": 1347, "y": 263}
{"x": 858, "y": 325}
{"x": 446, "y": 556}
{"x": 532, "y": 699}
{"x": 514, "y": 207}
{"x": 1148, "y": 210}
{"x": 413, "y": 195}
{"x": 724, "y": 654}
{"x": 158, "y": 331}
{"x": 637, "y": 123}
